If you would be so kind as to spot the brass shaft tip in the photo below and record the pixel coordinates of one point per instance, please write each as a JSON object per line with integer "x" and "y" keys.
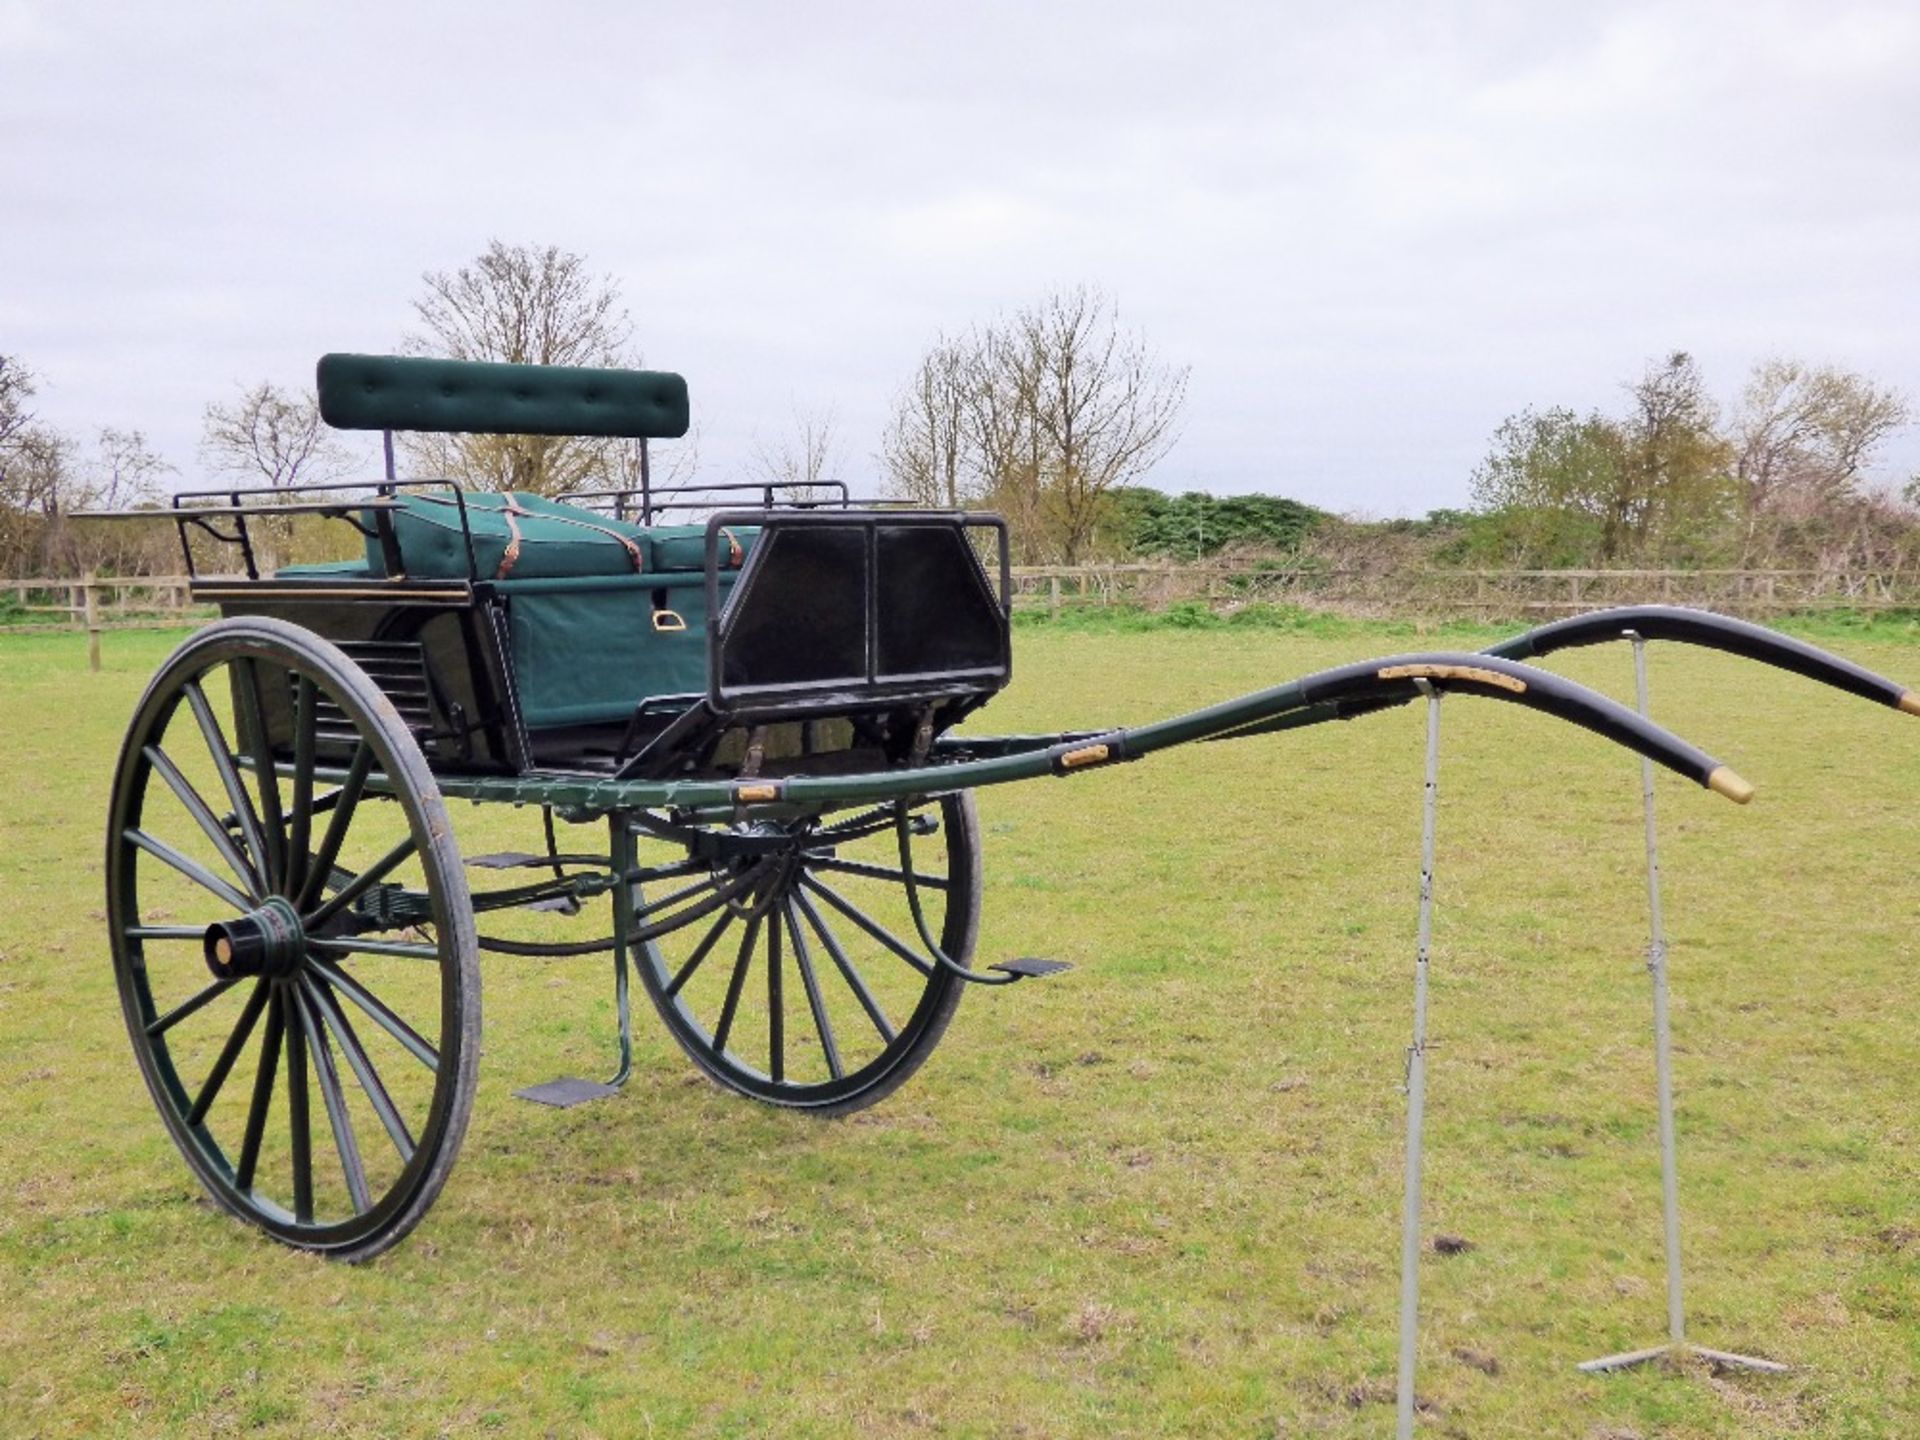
{"x": 1724, "y": 782}
{"x": 1910, "y": 702}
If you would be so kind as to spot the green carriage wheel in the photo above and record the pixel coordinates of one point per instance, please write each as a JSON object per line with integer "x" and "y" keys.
{"x": 811, "y": 986}
{"x": 293, "y": 938}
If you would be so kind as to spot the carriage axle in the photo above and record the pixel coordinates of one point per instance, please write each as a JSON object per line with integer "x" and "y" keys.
{"x": 266, "y": 941}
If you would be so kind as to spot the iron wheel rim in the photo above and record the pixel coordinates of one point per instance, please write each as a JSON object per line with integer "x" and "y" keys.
{"x": 304, "y": 1010}
{"x": 916, "y": 1034}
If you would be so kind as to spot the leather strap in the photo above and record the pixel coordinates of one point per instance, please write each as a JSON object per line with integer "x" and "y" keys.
{"x": 513, "y": 511}
{"x": 511, "y": 555}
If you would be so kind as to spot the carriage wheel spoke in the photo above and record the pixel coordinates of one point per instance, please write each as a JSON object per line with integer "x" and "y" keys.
{"x": 363, "y": 1069}
{"x": 244, "y": 814}
{"x": 305, "y": 718}
{"x": 165, "y": 932}
{"x": 874, "y": 872}
{"x": 346, "y": 800}
{"x": 181, "y": 1011}
{"x": 190, "y": 868}
{"x": 334, "y": 1096}
{"x": 354, "y": 945}
{"x": 376, "y": 1011}
{"x": 647, "y": 874}
{"x": 867, "y": 822}
{"x": 291, "y": 1099}
{"x": 230, "y": 1052}
{"x": 803, "y": 962}
{"x": 262, "y": 1098}
{"x": 847, "y": 968}
{"x": 253, "y": 726}
{"x": 776, "y": 1003}
{"x": 734, "y": 986}
{"x": 867, "y": 923}
{"x": 360, "y": 884}
{"x": 299, "y": 1120}
{"x": 700, "y": 952}
{"x": 203, "y": 816}
{"x": 719, "y": 894}
{"x": 653, "y": 906}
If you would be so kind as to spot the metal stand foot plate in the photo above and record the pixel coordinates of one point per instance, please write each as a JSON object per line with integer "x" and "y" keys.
{"x": 566, "y": 1092}
{"x": 1725, "y": 1359}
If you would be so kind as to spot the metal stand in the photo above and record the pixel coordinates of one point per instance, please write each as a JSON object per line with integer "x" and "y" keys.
{"x": 1417, "y": 1081}
{"x": 1676, "y": 1345}
{"x": 569, "y": 1091}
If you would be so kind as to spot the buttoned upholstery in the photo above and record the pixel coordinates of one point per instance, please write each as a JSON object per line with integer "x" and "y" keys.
{"x": 473, "y": 397}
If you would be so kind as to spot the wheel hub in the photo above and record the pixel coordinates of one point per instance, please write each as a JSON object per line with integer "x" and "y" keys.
{"x": 266, "y": 941}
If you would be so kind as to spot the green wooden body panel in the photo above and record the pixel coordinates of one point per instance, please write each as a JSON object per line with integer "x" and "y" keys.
{"x": 587, "y": 650}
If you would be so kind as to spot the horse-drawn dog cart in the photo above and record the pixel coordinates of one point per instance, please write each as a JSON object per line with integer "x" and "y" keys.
{"x": 762, "y": 708}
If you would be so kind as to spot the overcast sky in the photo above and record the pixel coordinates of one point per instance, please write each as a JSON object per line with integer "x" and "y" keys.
{"x": 1371, "y": 230}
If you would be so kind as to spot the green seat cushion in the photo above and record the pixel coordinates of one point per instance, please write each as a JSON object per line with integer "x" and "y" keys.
{"x": 556, "y": 541}
{"x": 684, "y": 547}
{"x": 328, "y": 569}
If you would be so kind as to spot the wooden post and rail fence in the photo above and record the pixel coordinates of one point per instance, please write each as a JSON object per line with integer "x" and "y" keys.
{"x": 1458, "y": 594}
{"x": 97, "y": 603}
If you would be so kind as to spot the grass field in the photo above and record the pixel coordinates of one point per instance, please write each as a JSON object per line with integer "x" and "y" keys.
{"x": 1156, "y": 1197}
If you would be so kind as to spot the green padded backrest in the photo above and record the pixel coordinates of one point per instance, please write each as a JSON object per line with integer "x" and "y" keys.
{"x": 476, "y": 397}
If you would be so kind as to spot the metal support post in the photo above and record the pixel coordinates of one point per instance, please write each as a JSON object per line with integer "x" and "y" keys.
{"x": 625, "y": 862}
{"x": 1663, "y": 1070}
{"x": 568, "y": 1091}
{"x": 1417, "y": 1080}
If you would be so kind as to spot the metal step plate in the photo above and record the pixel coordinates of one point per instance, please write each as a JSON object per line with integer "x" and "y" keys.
{"x": 566, "y": 1092}
{"x": 1031, "y": 967}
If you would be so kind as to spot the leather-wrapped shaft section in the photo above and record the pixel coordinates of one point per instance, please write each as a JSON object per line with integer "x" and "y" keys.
{"x": 1714, "y": 632}
{"x": 1703, "y": 628}
{"x": 1375, "y": 684}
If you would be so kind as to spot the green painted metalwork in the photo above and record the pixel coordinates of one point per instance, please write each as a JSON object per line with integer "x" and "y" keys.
{"x": 583, "y": 796}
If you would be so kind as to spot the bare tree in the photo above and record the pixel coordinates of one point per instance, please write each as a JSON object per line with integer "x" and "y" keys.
{"x": 1042, "y": 416}
{"x": 34, "y": 478}
{"x": 804, "y": 460}
{"x": 927, "y": 451}
{"x": 524, "y": 305}
{"x": 1803, "y": 434}
{"x": 47, "y": 476}
{"x": 272, "y": 436}
{"x": 1003, "y": 383}
{"x": 120, "y": 471}
{"x": 22, "y": 471}
{"x": 1104, "y": 411}
{"x": 123, "y": 471}
{"x": 17, "y": 387}
{"x": 37, "y": 476}
{"x": 675, "y": 466}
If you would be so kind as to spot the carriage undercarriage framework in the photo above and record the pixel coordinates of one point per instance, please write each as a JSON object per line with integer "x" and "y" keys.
{"x": 792, "y": 862}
